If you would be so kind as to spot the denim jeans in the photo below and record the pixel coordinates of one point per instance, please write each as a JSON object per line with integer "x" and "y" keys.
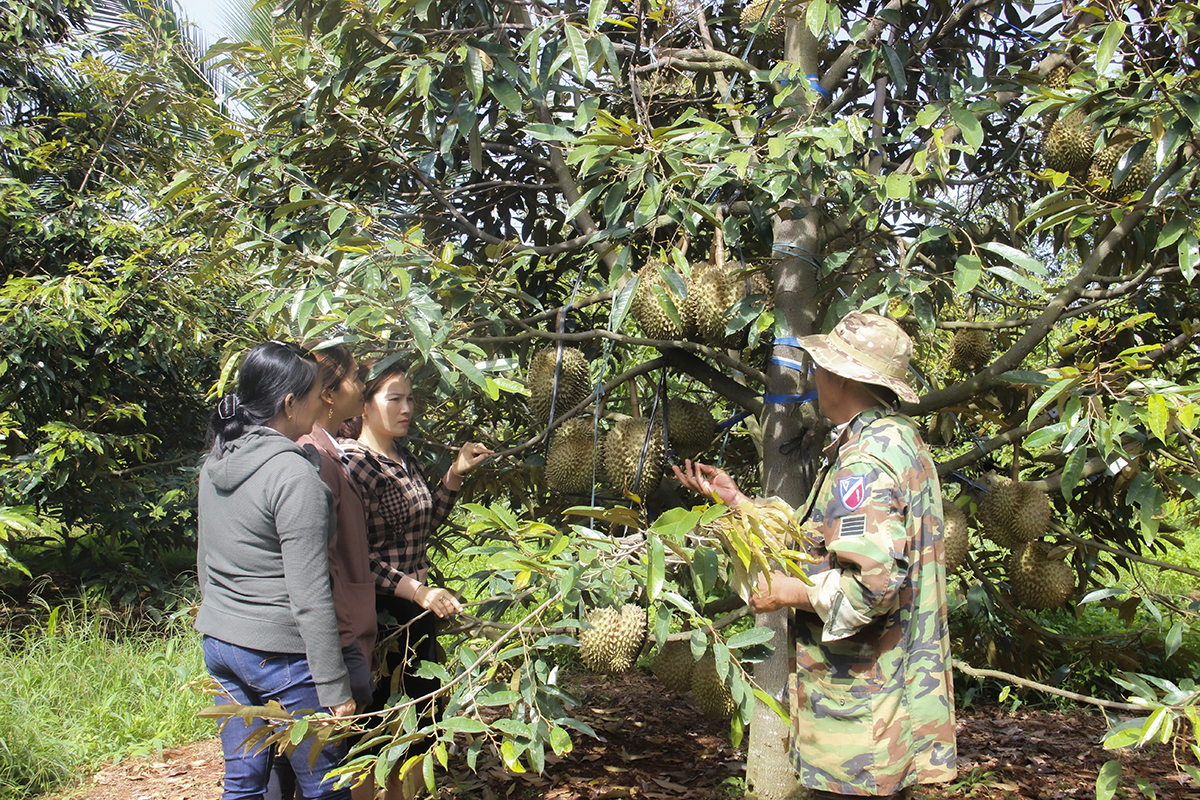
{"x": 254, "y": 677}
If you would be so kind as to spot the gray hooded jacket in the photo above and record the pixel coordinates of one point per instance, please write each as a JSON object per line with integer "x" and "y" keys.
{"x": 264, "y": 527}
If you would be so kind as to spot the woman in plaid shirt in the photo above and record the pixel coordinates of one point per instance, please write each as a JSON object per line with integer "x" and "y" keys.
{"x": 402, "y": 513}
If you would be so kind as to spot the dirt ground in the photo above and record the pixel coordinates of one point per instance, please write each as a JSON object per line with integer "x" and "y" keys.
{"x": 655, "y": 745}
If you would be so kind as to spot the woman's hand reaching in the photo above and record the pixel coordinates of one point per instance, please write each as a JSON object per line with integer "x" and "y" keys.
{"x": 345, "y": 709}
{"x": 470, "y": 455}
{"x": 438, "y": 600}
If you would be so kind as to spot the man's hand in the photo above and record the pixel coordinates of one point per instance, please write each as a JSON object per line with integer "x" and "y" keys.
{"x": 784, "y": 592}
{"x": 709, "y": 481}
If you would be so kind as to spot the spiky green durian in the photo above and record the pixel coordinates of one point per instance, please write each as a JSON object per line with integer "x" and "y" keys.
{"x": 573, "y": 384}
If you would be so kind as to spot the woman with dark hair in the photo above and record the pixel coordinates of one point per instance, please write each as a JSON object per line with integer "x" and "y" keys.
{"x": 402, "y": 514}
{"x": 341, "y": 398}
{"x": 270, "y": 631}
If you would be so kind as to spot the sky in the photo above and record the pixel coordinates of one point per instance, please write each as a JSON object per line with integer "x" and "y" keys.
{"x": 209, "y": 15}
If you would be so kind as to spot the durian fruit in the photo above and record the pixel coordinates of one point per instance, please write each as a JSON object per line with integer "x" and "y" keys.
{"x": 709, "y": 692}
{"x": 572, "y": 464}
{"x": 752, "y": 13}
{"x": 995, "y": 509}
{"x": 1069, "y": 143}
{"x": 1015, "y": 513}
{"x": 573, "y": 385}
{"x": 1105, "y": 164}
{"x": 970, "y": 350}
{"x": 646, "y": 308}
{"x": 623, "y": 452}
{"x": 1038, "y": 582}
{"x": 1031, "y": 519}
{"x": 691, "y": 427}
{"x": 712, "y": 291}
{"x": 611, "y": 644}
{"x": 957, "y": 536}
{"x": 673, "y": 666}
{"x": 1058, "y": 77}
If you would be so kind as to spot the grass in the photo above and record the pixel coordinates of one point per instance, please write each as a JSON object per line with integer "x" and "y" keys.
{"x": 76, "y": 697}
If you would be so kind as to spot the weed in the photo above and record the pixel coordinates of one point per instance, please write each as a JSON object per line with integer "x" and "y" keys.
{"x": 76, "y": 696}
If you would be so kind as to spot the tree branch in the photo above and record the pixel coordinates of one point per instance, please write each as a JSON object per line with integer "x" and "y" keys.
{"x": 967, "y": 669}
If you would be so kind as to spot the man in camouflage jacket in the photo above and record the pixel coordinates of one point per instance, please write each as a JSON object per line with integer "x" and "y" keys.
{"x": 871, "y": 701}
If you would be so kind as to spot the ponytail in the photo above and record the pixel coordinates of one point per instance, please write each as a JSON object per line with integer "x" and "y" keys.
{"x": 270, "y": 373}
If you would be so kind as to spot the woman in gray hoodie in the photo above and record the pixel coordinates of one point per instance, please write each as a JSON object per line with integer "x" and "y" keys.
{"x": 267, "y": 615}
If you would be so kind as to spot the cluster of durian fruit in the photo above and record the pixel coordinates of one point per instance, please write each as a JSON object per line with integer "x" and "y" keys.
{"x": 579, "y": 453}
{"x": 701, "y": 314}
{"x": 1015, "y": 515}
{"x": 1069, "y": 145}
{"x": 611, "y": 640}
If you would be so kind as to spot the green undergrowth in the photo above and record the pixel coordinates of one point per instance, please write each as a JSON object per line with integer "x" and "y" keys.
{"x": 77, "y": 696}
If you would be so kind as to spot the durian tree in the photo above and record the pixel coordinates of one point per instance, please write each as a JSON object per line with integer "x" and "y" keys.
{"x": 483, "y": 187}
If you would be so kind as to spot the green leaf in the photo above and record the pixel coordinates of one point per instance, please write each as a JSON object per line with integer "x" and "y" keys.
{"x": 620, "y": 305}
{"x": 647, "y": 207}
{"x": 1107, "y": 780}
{"x": 968, "y": 123}
{"x": 1103, "y": 594}
{"x": 967, "y": 270}
{"x": 1012, "y": 276}
{"x": 514, "y": 728}
{"x": 1015, "y": 256}
{"x": 508, "y": 753}
{"x": 464, "y": 725}
{"x": 474, "y": 74}
{"x": 503, "y": 91}
{"x": 1189, "y": 255}
{"x": 1049, "y": 396}
{"x": 1156, "y": 415}
{"x": 657, "y": 571}
{"x": 1159, "y": 721}
{"x": 297, "y": 733}
{"x": 578, "y": 48}
{"x": 1174, "y": 638}
{"x": 549, "y": 133}
{"x": 503, "y": 697}
{"x": 899, "y": 187}
{"x": 596, "y": 11}
{"x": 1143, "y": 494}
{"x": 707, "y": 568}
{"x": 749, "y": 638}
{"x": 1190, "y": 484}
{"x": 336, "y": 218}
{"x": 585, "y": 200}
{"x": 895, "y": 68}
{"x": 560, "y": 741}
{"x": 467, "y": 368}
{"x": 1108, "y": 44}
{"x": 1073, "y": 471}
{"x": 1044, "y": 436}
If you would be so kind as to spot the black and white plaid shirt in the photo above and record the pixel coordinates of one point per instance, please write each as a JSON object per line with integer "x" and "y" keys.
{"x": 401, "y": 511}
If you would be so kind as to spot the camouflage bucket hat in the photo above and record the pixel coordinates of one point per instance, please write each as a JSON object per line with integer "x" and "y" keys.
{"x": 866, "y": 348}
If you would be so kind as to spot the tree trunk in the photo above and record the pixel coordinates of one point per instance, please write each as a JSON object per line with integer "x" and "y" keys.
{"x": 769, "y": 774}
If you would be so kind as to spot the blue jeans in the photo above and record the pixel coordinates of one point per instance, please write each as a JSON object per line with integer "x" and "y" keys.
{"x": 254, "y": 677}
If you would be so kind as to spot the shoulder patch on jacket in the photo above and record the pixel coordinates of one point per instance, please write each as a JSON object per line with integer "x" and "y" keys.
{"x": 852, "y": 491}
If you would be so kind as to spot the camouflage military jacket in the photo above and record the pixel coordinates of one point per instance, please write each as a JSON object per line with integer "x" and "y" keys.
{"x": 872, "y": 702}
